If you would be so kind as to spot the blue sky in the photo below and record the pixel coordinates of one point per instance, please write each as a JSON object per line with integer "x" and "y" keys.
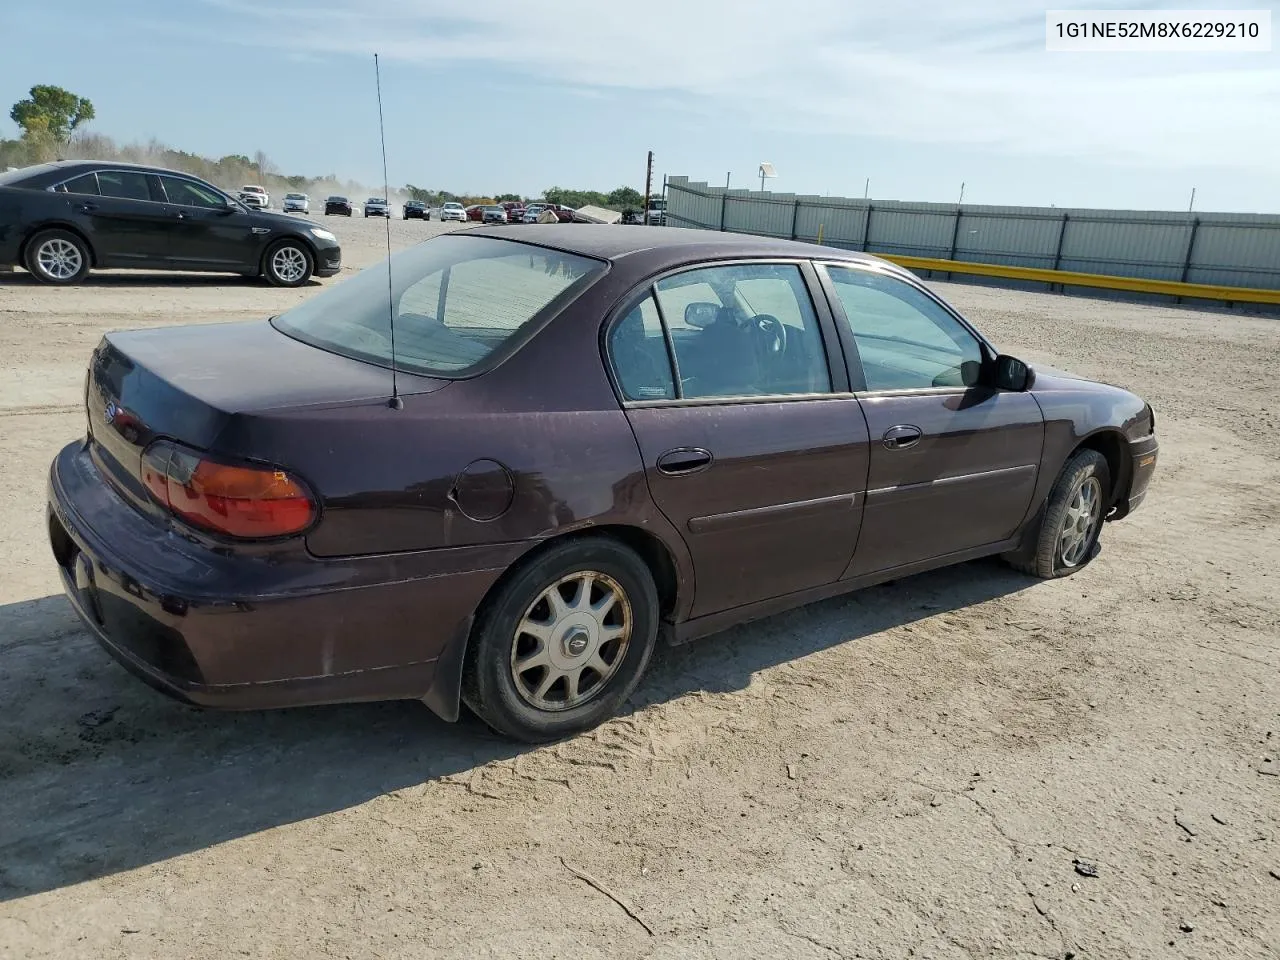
{"x": 496, "y": 95}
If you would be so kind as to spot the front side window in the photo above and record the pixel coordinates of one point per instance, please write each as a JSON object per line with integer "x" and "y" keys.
{"x": 744, "y": 330}
{"x": 457, "y": 299}
{"x": 905, "y": 339}
{"x": 123, "y": 184}
{"x": 188, "y": 194}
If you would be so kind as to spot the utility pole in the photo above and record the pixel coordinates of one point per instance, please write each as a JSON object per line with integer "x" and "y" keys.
{"x": 726, "y": 179}
{"x": 866, "y": 189}
{"x": 1192, "y": 205}
{"x": 648, "y": 186}
{"x": 961, "y": 200}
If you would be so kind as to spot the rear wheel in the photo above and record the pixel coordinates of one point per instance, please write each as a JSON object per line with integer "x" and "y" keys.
{"x": 288, "y": 264}
{"x": 563, "y": 642}
{"x": 58, "y": 257}
{"x": 1070, "y": 522}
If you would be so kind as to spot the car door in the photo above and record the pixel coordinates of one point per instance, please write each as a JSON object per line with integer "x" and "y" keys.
{"x": 751, "y": 448}
{"x": 125, "y": 220}
{"x": 953, "y": 460}
{"x": 206, "y": 232}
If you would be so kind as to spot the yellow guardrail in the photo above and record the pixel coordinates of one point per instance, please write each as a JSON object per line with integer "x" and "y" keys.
{"x": 1203, "y": 291}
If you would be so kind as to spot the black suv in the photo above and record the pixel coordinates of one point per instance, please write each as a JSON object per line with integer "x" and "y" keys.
{"x": 61, "y": 219}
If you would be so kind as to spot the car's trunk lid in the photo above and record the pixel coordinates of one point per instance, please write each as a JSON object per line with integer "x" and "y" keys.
{"x": 189, "y": 383}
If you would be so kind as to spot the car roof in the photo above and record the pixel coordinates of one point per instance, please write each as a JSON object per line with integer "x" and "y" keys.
{"x": 57, "y": 170}
{"x": 610, "y": 242}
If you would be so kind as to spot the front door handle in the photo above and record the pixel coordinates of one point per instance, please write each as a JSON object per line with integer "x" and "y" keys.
{"x": 902, "y": 436}
{"x": 88, "y": 207}
{"x": 683, "y": 461}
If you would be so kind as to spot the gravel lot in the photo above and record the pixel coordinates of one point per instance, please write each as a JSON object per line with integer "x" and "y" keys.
{"x": 912, "y": 771}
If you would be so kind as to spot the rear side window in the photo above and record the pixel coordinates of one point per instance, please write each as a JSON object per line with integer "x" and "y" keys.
{"x": 744, "y": 330}
{"x": 123, "y": 184}
{"x": 638, "y": 349}
{"x": 86, "y": 185}
{"x": 458, "y": 299}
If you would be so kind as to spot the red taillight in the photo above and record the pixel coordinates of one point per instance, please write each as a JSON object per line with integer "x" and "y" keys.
{"x": 239, "y": 501}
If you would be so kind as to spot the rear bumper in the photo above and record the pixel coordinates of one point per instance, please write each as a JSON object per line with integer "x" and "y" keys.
{"x": 1142, "y": 466}
{"x": 245, "y": 632}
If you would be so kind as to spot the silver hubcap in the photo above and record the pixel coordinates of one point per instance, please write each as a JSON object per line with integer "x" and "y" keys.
{"x": 289, "y": 264}
{"x": 1080, "y": 522}
{"x": 59, "y": 259}
{"x": 571, "y": 641}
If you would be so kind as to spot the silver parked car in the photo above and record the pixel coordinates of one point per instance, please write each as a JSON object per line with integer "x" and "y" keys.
{"x": 297, "y": 203}
{"x": 376, "y": 207}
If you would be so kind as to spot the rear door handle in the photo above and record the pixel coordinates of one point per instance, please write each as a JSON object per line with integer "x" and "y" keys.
{"x": 684, "y": 460}
{"x": 87, "y": 207}
{"x": 902, "y": 436}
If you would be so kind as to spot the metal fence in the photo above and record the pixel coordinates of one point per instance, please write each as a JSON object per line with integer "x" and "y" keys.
{"x": 1227, "y": 249}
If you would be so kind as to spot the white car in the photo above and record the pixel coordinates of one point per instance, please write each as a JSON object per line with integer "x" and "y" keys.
{"x": 259, "y": 192}
{"x": 376, "y": 207}
{"x": 453, "y": 211}
{"x": 296, "y": 203}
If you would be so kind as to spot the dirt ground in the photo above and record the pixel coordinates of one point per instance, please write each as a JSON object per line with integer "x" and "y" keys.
{"x": 912, "y": 771}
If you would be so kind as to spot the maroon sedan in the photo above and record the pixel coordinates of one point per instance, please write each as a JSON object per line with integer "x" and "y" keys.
{"x": 574, "y": 442}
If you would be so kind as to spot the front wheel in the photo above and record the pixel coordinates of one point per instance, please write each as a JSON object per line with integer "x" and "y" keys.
{"x": 564, "y": 642}
{"x": 1070, "y": 522}
{"x": 288, "y": 264}
{"x": 58, "y": 257}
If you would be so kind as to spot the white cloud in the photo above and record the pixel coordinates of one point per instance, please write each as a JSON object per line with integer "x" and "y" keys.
{"x": 921, "y": 71}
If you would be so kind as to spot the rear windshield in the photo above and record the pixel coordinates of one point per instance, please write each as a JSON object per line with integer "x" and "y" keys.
{"x": 22, "y": 173}
{"x": 458, "y": 300}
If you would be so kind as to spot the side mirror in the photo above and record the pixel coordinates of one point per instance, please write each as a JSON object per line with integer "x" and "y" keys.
{"x": 230, "y": 206}
{"x": 701, "y": 314}
{"x": 1012, "y": 374}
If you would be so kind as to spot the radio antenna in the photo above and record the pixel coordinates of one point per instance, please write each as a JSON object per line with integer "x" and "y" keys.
{"x": 396, "y": 403}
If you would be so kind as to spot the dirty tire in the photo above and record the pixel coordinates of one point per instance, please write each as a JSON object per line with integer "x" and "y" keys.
{"x": 57, "y": 257}
{"x": 288, "y": 263}
{"x": 1067, "y": 536}
{"x": 507, "y": 699}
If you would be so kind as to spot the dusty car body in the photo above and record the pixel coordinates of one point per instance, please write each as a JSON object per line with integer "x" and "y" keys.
{"x": 667, "y": 439}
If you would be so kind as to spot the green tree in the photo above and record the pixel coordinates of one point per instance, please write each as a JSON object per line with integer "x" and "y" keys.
{"x": 52, "y": 111}
{"x": 624, "y": 197}
{"x": 507, "y": 198}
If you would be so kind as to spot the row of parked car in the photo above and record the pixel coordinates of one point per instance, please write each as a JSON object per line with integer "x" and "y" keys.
{"x": 510, "y": 212}
{"x": 257, "y": 198}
